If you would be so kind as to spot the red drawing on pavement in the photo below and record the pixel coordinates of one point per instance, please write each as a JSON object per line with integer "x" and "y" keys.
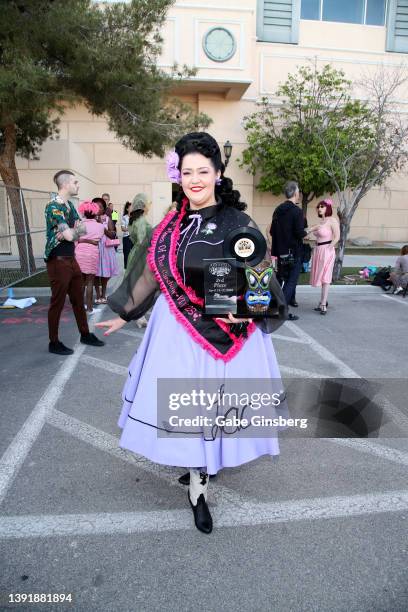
{"x": 35, "y": 315}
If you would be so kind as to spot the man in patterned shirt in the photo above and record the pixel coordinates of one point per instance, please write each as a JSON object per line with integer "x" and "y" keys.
{"x": 63, "y": 228}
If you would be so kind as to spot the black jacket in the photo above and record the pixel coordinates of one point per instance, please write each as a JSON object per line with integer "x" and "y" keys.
{"x": 287, "y": 230}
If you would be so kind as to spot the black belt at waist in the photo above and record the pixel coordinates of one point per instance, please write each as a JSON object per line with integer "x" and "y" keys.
{"x": 321, "y": 243}
{"x": 61, "y": 257}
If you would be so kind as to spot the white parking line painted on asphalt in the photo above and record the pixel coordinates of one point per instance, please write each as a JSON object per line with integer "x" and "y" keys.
{"x": 398, "y": 417}
{"x": 373, "y": 448}
{"x": 109, "y": 366}
{"x": 107, "y": 443}
{"x": 134, "y": 333}
{"x": 396, "y": 300}
{"x": 287, "y": 338}
{"x": 16, "y": 453}
{"x": 298, "y": 373}
{"x": 110, "y": 444}
{"x": 249, "y": 514}
{"x": 343, "y": 369}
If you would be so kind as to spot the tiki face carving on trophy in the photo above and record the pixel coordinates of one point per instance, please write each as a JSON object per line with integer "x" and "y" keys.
{"x": 258, "y": 295}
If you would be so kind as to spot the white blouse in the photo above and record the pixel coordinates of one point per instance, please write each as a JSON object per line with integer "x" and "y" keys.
{"x": 125, "y": 223}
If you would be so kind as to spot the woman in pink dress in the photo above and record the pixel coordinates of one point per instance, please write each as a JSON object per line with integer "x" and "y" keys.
{"x": 108, "y": 265}
{"x": 87, "y": 249}
{"x": 327, "y": 234}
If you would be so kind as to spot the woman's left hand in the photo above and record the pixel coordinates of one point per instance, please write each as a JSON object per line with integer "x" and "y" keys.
{"x": 232, "y": 320}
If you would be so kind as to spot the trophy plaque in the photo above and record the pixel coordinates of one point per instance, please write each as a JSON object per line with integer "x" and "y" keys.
{"x": 220, "y": 286}
{"x": 241, "y": 281}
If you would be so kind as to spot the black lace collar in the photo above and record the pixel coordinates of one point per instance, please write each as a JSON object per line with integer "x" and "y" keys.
{"x": 208, "y": 212}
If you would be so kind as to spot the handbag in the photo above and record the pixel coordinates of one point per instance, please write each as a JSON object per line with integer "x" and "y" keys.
{"x": 286, "y": 261}
{"x": 285, "y": 265}
{"x": 112, "y": 242}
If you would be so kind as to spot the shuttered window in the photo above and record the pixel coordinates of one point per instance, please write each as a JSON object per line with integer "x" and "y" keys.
{"x": 367, "y": 12}
{"x": 278, "y": 20}
{"x": 397, "y": 26}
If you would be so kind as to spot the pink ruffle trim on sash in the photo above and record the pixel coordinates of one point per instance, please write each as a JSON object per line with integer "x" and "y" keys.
{"x": 205, "y": 344}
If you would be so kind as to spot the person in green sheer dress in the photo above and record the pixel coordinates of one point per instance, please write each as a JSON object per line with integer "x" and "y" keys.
{"x": 140, "y": 233}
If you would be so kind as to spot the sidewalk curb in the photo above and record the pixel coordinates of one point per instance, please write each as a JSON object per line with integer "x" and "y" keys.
{"x": 27, "y": 292}
{"x": 46, "y": 291}
{"x": 365, "y": 288}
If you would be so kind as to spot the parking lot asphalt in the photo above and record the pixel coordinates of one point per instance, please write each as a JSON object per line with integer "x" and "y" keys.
{"x": 322, "y": 528}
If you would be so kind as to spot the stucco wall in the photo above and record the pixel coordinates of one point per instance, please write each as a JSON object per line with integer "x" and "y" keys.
{"x": 103, "y": 164}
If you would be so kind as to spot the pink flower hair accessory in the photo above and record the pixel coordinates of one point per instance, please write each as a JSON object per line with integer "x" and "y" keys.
{"x": 86, "y": 206}
{"x": 328, "y": 201}
{"x": 172, "y": 162}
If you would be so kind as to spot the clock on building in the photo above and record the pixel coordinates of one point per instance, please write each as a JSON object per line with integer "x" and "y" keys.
{"x": 219, "y": 44}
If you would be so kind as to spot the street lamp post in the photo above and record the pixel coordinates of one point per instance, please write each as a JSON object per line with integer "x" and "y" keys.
{"x": 227, "y": 152}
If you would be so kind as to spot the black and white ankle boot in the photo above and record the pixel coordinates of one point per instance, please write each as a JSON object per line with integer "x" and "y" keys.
{"x": 185, "y": 478}
{"x": 197, "y": 496}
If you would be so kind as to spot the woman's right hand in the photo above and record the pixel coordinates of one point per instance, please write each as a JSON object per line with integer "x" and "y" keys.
{"x": 112, "y": 325}
{"x": 231, "y": 320}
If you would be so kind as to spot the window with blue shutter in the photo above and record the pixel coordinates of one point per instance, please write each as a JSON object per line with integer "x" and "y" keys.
{"x": 397, "y": 26}
{"x": 366, "y": 12}
{"x": 278, "y": 20}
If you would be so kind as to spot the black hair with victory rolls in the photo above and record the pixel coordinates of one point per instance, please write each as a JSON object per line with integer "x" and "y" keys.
{"x": 201, "y": 142}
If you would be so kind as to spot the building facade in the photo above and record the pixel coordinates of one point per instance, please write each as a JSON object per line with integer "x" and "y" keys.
{"x": 242, "y": 50}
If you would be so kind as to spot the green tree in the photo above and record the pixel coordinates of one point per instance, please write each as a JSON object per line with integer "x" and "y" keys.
{"x": 318, "y": 135}
{"x": 58, "y": 52}
{"x": 364, "y": 149}
{"x": 282, "y": 135}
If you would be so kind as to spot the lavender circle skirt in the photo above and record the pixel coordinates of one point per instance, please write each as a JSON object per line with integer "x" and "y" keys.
{"x": 167, "y": 351}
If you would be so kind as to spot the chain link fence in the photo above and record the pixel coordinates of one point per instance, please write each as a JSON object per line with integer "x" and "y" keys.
{"x": 22, "y": 233}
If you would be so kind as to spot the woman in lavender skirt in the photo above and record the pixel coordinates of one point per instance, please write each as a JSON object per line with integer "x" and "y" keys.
{"x": 184, "y": 344}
